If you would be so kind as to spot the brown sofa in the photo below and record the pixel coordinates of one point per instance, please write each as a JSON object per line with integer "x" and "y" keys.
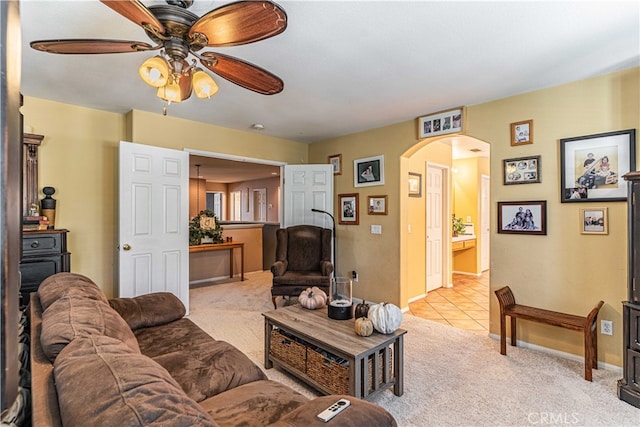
{"x": 138, "y": 361}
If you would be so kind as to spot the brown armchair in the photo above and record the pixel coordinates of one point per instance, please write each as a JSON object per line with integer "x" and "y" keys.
{"x": 303, "y": 259}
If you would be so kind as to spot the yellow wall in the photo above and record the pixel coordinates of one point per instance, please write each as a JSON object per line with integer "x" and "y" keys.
{"x": 79, "y": 157}
{"x": 559, "y": 271}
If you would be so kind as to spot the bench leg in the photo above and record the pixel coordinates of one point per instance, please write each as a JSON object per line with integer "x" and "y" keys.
{"x": 503, "y": 334}
{"x": 513, "y": 331}
{"x": 590, "y": 353}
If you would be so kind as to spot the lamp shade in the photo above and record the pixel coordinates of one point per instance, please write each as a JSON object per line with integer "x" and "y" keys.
{"x": 155, "y": 71}
{"x": 203, "y": 85}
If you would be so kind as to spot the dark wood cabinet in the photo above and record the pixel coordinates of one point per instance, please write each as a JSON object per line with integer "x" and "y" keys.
{"x": 44, "y": 253}
{"x": 629, "y": 385}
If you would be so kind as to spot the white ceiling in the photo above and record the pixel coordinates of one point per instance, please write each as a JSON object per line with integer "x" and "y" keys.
{"x": 347, "y": 66}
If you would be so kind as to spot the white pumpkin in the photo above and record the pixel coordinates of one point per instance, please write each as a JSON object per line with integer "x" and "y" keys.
{"x": 313, "y": 298}
{"x": 386, "y": 317}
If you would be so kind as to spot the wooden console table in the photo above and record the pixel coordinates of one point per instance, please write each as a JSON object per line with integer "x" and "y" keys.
{"x": 223, "y": 247}
{"x": 368, "y": 358}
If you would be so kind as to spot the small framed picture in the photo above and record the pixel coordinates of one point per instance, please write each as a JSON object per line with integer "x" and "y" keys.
{"x": 594, "y": 221}
{"x": 415, "y": 184}
{"x": 522, "y": 217}
{"x": 368, "y": 171}
{"x": 521, "y": 170}
{"x": 377, "y": 205}
{"x": 441, "y": 123}
{"x": 522, "y": 133}
{"x": 348, "y": 205}
{"x": 592, "y": 166}
{"x": 336, "y": 162}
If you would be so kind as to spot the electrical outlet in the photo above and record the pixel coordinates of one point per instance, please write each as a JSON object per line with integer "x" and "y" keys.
{"x": 354, "y": 276}
{"x": 606, "y": 327}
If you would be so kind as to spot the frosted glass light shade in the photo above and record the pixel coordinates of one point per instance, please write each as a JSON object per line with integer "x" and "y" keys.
{"x": 203, "y": 85}
{"x": 155, "y": 71}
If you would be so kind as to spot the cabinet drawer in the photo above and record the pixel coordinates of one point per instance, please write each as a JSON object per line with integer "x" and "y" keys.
{"x": 35, "y": 271}
{"x": 456, "y": 246}
{"x": 632, "y": 369}
{"x": 33, "y": 244}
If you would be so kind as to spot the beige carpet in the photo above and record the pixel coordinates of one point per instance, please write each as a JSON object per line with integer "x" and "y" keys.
{"x": 452, "y": 377}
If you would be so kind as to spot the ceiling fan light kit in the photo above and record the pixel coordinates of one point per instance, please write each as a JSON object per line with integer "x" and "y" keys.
{"x": 180, "y": 33}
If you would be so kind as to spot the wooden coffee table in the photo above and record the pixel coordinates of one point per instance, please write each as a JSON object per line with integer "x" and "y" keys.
{"x": 372, "y": 365}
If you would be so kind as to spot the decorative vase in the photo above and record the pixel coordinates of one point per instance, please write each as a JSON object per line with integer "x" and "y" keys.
{"x": 48, "y": 206}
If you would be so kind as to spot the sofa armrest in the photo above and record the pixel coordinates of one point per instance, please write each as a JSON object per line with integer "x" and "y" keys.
{"x": 278, "y": 268}
{"x": 149, "y": 310}
{"x": 359, "y": 413}
{"x": 326, "y": 267}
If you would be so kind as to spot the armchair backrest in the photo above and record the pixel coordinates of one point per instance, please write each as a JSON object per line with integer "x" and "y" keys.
{"x": 304, "y": 247}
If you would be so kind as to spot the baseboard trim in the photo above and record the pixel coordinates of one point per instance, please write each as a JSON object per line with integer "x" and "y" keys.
{"x": 466, "y": 273}
{"x": 564, "y": 355}
{"x": 419, "y": 297}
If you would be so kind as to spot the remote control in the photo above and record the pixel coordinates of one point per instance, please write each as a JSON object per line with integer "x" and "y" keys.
{"x": 334, "y": 410}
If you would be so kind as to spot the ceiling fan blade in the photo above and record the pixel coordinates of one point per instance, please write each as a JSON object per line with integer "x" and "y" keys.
{"x": 242, "y": 73}
{"x": 90, "y": 46}
{"x": 240, "y": 23}
{"x": 135, "y": 12}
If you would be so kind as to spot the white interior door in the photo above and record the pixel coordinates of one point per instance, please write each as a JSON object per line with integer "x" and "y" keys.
{"x": 308, "y": 187}
{"x": 154, "y": 221}
{"x": 435, "y": 192}
{"x": 260, "y": 204}
{"x": 485, "y": 221}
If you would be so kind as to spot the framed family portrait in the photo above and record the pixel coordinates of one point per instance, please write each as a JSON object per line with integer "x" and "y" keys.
{"x": 415, "y": 184}
{"x": 522, "y": 133}
{"x": 441, "y": 123}
{"x": 348, "y": 205}
{"x": 592, "y": 166}
{"x": 336, "y": 161}
{"x": 377, "y": 205}
{"x": 594, "y": 221}
{"x": 522, "y": 217}
{"x": 368, "y": 171}
{"x": 521, "y": 170}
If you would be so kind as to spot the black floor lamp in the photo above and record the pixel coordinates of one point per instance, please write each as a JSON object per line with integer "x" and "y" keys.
{"x": 335, "y": 270}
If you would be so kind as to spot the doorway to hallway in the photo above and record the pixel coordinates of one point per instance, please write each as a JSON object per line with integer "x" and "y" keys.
{"x": 464, "y": 306}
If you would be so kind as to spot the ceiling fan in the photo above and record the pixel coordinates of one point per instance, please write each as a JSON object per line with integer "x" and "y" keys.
{"x": 178, "y": 33}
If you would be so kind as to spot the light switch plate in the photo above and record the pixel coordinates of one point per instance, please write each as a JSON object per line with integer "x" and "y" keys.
{"x": 376, "y": 229}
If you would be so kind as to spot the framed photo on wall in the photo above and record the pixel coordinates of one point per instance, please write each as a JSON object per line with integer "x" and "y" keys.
{"x": 415, "y": 184}
{"x": 368, "y": 171}
{"x": 377, "y": 205}
{"x": 522, "y": 133}
{"x": 522, "y": 217}
{"x": 594, "y": 221}
{"x": 336, "y": 161}
{"x": 441, "y": 123}
{"x": 592, "y": 166}
{"x": 521, "y": 170}
{"x": 348, "y": 205}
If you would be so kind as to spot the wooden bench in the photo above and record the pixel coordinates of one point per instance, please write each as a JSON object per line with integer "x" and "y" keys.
{"x": 587, "y": 325}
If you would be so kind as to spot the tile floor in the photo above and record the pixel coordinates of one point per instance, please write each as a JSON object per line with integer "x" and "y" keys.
{"x": 464, "y": 306}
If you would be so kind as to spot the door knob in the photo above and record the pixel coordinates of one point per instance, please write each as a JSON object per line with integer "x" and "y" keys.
{"x": 126, "y": 247}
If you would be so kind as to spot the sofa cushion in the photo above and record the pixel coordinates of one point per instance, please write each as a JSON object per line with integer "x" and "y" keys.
{"x": 359, "y": 413}
{"x": 149, "y": 310}
{"x": 258, "y": 403}
{"x": 209, "y": 369}
{"x": 73, "y": 316}
{"x": 54, "y": 287}
{"x": 201, "y": 365}
{"x": 102, "y": 382}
